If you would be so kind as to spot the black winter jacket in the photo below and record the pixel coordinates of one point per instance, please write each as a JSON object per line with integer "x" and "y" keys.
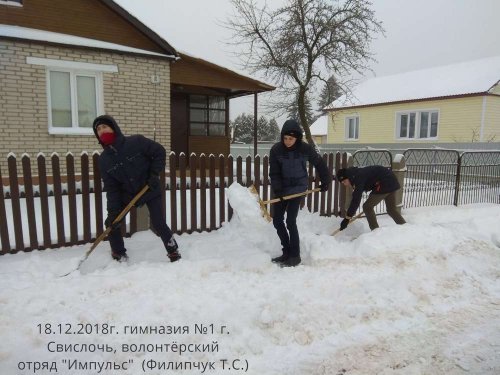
{"x": 374, "y": 178}
{"x": 126, "y": 165}
{"x": 288, "y": 166}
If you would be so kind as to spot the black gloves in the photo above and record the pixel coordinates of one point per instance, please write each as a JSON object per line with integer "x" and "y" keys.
{"x": 153, "y": 181}
{"x": 323, "y": 187}
{"x": 109, "y": 220}
{"x": 344, "y": 223}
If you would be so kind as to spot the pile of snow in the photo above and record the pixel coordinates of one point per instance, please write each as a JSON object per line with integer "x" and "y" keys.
{"x": 422, "y": 298}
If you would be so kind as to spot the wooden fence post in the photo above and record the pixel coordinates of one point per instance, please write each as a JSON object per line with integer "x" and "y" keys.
{"x": 44, "y": 200}
{"x": 16, "y": 205}
{"x": 4, "y": 229}
{"x": 30, "y": 202}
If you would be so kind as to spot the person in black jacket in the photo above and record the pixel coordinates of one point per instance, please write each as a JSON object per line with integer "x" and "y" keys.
{"x": 383, "y": 185}
{"x": 127, "y": 164}
{"x": 288, "y": 173}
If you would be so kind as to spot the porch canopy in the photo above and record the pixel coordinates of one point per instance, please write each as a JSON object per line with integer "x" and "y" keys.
{"x": 195, "y": 76}
{"x": 193, "y": 73}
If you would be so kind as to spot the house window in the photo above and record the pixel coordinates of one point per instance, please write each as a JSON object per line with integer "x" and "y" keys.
{"x": 207, "y": 115}
{"x": 74, "y": 94}
{"x": 73, "y": 100}
{"x": 352, "y": 128}
{"x": 417, "y": 124}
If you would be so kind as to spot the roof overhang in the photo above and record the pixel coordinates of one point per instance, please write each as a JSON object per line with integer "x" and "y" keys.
{"x": 191, "y": 73}
{"x": 409, "y": 101}
{"x": 49, "y": 37}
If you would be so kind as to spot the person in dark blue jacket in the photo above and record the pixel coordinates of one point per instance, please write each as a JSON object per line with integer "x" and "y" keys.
{"x": 383, "y": 185}
{"x": 288, "y": 172}
{"x": 127, "y": 164}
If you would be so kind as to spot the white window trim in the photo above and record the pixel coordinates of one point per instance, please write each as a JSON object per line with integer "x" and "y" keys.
{"x": 11, "y": 3}
{"x": 75, "y": 69}
{"x": 346, "y": 128}
{"x": 417, "y": 125}
{"x": 72, "y": 65}
{"x": 74, "y": 129}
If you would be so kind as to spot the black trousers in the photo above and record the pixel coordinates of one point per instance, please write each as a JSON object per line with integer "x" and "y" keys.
{"x": 157, "y": 220}
{"x": 289, "y": 235}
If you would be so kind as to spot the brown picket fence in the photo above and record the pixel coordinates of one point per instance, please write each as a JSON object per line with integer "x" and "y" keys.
{"x": 43, "y": 209}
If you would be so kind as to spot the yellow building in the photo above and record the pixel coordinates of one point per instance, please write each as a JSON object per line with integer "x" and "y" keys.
{"x": 457, "y": 103}
{"x": 319, "y": 130}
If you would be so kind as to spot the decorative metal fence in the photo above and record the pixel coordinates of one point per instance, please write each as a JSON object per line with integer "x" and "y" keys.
{"x": 479, "y": 178}
{"x": 444, "y": 177}
{"x": 364, "y": 158}
{"x": 50, "y": 210}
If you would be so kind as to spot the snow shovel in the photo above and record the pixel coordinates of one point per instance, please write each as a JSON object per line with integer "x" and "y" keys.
{"x": 263, "y": 204}
{"x": 350, "y": 221}
{"x": 108, "y": 229}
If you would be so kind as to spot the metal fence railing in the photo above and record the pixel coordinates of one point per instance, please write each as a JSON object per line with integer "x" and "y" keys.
{"x": 431, "y": 177}
{"x": 445, "y": 177}
{"x": 479, "y": 178}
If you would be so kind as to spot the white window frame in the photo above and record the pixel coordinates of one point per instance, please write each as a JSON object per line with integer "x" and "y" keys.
{"x": 356, "y": 131}
{"x": 418, "y": 113}
{"x": 75, "y": 69}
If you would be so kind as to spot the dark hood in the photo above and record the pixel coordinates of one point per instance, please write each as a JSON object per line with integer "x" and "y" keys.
{"x": 291, "y": 127}
{"x": 349, "y": 173}
{"x": 108, "y": 120}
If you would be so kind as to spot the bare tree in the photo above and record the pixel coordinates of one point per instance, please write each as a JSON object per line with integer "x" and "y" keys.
{"x": 302, "y": 43}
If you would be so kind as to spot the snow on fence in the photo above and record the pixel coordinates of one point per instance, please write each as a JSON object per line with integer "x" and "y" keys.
{"x": 42, "y": 209}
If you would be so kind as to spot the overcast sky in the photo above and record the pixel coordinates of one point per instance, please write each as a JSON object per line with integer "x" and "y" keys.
{"x": 419, "y": 34}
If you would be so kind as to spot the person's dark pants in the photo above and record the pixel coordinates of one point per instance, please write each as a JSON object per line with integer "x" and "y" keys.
{"x": 157, "y": 220}
{"x": 390, "y": 204}
{"x": 289, "y": 239}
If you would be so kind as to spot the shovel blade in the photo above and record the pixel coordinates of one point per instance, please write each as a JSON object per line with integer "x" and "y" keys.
{"x": 263, "y": 209}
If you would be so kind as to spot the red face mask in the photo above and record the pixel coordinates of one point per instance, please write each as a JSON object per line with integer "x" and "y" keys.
{"x": 107, "y": 138}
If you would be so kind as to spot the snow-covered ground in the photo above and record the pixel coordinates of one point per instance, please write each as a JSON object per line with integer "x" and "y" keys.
{"x": 422, "y": 298}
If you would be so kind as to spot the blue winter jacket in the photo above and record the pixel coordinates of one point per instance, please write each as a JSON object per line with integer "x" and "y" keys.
{"x": 288, "y": 166}
{"x": 127, "y": 164}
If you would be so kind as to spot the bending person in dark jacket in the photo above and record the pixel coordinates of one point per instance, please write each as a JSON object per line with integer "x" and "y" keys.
{"x": 288, "y": 173}
{"x": 383, "y": 185}
{"x": 127, "y": 164}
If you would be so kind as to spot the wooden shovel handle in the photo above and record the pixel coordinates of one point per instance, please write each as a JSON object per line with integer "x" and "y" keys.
{"x": 291, "y": 196}
{"x": 350, "y": 221}
{"x": 118, "y": 219}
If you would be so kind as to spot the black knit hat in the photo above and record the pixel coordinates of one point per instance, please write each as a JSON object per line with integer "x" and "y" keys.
{"x": 293, "y": 133}
{"x": 108, "y": 120}
{"x": 291, "y": 128}
{"x": 342, "y": 174}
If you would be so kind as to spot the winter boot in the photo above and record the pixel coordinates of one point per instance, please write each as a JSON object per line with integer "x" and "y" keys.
{"x": 119, "y": 257}
{"x": 280, "y": 259}
{"x": 174, "y": 256}
{"x": 291, "y": 262}
{"x": 172, "y": 250}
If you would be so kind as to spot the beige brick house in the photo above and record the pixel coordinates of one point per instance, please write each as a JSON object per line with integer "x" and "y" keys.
{"x": 63, "y": 63}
